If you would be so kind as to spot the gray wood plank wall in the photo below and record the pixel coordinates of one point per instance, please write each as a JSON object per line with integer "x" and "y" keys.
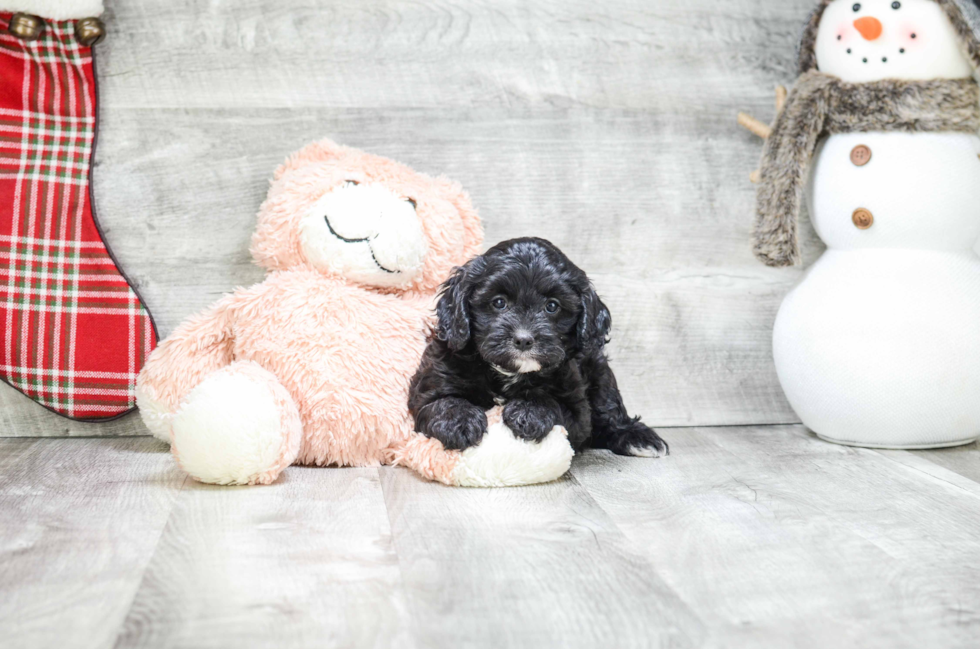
{"x": 607, "y": 127}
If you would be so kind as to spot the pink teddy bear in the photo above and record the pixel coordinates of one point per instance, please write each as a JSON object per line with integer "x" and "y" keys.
{"x": 312, "y": 365}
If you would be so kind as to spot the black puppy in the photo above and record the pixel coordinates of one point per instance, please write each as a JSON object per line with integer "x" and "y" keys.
{"x": 522, "y": 325}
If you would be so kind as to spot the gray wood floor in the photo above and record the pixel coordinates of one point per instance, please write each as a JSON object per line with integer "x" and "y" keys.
{"x": 743, "y": 537}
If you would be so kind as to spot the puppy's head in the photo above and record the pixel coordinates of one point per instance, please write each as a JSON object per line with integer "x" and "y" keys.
{"x": 523, "y": 306}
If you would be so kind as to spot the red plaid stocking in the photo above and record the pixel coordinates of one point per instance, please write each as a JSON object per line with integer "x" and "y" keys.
{"x": 74, "y": 332}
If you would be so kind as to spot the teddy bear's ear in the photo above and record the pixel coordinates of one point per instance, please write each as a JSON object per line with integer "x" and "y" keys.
{"x": 469, "y": 218}
{"x": 325, "y": 149}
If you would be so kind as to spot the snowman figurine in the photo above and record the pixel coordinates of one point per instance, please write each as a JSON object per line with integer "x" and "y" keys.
{"x": 878, "y": 345}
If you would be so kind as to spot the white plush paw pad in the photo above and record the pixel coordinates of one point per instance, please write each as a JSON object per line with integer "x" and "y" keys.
{"x": 227, "y": 430}
{"x": 502, "y": 460}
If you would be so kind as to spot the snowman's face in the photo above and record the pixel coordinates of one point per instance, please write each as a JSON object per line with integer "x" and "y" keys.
{"x": 869, "y": 40}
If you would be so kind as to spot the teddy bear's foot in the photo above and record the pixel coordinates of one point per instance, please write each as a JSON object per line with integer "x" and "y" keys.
{"x": 238, "y": 426}
{"x": 502, "y": 460}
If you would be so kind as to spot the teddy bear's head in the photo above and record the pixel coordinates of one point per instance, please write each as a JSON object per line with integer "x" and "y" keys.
{"x": 365, "y": 218}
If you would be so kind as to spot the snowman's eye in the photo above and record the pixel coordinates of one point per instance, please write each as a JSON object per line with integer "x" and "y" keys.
{"x": 856, "y": 7}
{"x": 896, "y": 5}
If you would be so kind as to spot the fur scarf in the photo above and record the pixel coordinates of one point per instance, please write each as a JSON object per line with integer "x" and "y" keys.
{"x": 822, "y": 104}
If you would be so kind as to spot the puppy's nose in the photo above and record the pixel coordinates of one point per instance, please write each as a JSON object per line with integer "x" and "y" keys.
{"x": 523, "y": 341}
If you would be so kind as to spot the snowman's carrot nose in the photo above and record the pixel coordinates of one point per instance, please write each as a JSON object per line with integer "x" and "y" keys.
{"x": 869, "y": 27}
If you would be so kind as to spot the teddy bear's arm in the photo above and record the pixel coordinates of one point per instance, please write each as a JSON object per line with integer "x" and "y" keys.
{"x": 201, "y": 345}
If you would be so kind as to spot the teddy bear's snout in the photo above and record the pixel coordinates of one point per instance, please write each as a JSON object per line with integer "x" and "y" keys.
{"x": 398, "y": 243}
{"x": 367, "y": 233}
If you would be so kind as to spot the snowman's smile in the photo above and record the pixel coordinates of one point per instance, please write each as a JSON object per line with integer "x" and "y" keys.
{"x": 871, "y": 30}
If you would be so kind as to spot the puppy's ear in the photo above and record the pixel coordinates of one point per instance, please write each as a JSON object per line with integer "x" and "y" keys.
{"x": 594, "y": 322}
{"x": 453, "y": 310}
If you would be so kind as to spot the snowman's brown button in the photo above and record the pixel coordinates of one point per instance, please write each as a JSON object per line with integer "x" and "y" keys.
{"x": 863, "y": 219}
{"x": 860, "y": 155}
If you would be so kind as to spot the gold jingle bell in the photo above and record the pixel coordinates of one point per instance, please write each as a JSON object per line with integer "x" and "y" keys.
{"x": 26, "y": 27}
{"x": 89, "y": 31}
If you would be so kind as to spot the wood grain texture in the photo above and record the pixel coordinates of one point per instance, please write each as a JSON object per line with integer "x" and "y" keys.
{"x": 79, "y": 520}
{"x": 526, "y": 567}
{"x": 964, "y": 460}
{"x": 607, "y": 127}
{"x": 305, "y": 562}
{"x": 389, "y": 53}
{"x": 790, "y": 541}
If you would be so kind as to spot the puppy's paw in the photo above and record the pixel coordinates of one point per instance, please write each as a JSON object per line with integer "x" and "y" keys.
{"x": 657, "y": 448}
{"x": 637, "y": 440}
{"x": 531, "y": 420}
{"x": 458, "y": 425}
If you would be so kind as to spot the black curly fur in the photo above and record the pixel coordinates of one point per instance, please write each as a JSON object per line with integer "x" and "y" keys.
{"x": 473, "y": 359}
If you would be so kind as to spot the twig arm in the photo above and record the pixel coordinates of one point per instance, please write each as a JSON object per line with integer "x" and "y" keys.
{"x": 753, "y": 125}
{"x": 781, "y": 94}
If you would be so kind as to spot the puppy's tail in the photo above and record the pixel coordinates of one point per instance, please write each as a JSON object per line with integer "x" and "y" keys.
{"x": 500, "y": 460}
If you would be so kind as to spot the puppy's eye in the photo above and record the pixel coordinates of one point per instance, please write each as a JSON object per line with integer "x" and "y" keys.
{"x": 499, "y": 303}
{"x": 856, "y": 7}
{"x": 552, "y": 306}
{"x": 411, "y": 201}
{"x": 351, "y": 183}
{"x": 896, "y": 5}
